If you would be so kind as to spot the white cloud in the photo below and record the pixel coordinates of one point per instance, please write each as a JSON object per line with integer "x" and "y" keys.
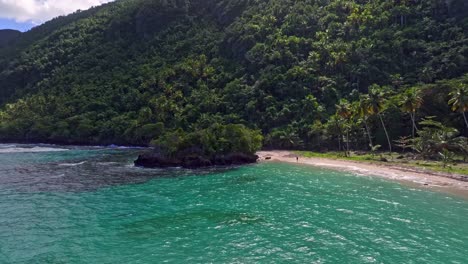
{"x": 39, "y": 11}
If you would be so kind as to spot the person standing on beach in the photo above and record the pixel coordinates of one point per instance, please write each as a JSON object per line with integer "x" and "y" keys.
{"x": 297, "y": 158}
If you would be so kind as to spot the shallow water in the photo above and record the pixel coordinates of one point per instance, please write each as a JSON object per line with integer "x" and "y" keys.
{"x": 90, "y": 205}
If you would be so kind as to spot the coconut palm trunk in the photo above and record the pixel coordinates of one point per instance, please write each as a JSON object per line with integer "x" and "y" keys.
{"x": 368, "y": 134}
{"x": 413, "y": 120}
{"x": 386, "y": 133}
{"x": 347, "y": 142}
{"x": 341, "y": 139}
{"x": 339, "y": 142}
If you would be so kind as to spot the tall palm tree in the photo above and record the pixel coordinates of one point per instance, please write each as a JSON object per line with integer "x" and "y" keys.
{"x": 377, "y": 104}
{"x": 343, "y": 109}
{"x": 459, "y": 101}
{"x": 410, "y": 101}
{"x": 335, "y": 127}
{"x": 362, "y": 110}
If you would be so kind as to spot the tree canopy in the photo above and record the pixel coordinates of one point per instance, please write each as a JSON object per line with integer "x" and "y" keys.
{"x": 129, "y": 72}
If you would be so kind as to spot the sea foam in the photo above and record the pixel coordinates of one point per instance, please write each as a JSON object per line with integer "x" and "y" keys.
{"x": 29, "y": 150}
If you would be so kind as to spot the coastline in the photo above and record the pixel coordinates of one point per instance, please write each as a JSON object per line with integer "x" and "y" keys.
{"x": 413, "y": 177}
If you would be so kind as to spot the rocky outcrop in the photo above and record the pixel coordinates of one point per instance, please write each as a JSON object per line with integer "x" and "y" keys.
{"x": 156, "y": 160}
{"x": 193, "y": 161}
{"x": 235, "y": 159}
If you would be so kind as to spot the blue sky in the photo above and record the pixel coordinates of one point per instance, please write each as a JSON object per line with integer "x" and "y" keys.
{"x": 12, "y": 24}
{"x": 24, "y": 14}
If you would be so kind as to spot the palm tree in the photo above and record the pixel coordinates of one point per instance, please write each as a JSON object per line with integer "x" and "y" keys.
{"x": 362, "y": 110}
{"x": 434, "y": 138}
{"x": 377, "y": 104}
{"x": 343, "y": 109}
{"x": 334, "y": 126}
{"x": 459, "y": 101}
{"x": 410, "y": 101}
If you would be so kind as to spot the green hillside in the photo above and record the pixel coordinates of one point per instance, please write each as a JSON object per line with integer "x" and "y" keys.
{"x": 130, "y": 71}
{"x": 7, "y": 36}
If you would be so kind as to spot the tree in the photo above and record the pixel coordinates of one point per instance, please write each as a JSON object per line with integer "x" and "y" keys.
{"x": 362, "y": 109}
{"x": 410, "y": 101}
{"x": 335, "y": 127}
{"x": 435, "y": 138}
{"x": 215, "y": 140}
{"x": 377, "y": 104}
{"x": 284, "y": 138}
{"x": 459, "y": 101}
{"x": 280, "y": 67}
{"x": 343, "y": 109}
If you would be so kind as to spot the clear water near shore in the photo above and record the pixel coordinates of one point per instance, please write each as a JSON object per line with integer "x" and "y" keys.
{"x": 90, "y": 205}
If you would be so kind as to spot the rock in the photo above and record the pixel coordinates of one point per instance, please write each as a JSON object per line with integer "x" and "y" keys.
{"x": 193, "y": 160}
{"x": 383, "y": 159}
{"x": 241, "y": 158}
{"x": 156, "y": 160}
{"x": 267, "y": 158}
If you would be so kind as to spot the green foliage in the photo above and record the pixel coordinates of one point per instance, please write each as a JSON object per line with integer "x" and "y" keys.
{"x": 447, "y": 157}
{"x": 411, "y": 100}
{"x": 375, "y": 148}
{"x": 435, "y": 138}
{"x": 459, "y": 99}
{"x": 216, "y": 139}
{"x": 133, "y": 71}
{"x": 284, "y": 138}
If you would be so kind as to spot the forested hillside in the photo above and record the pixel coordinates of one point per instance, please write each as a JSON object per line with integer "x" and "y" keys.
{"x": 132, "y": 71}
{"x": 7, "y": 36}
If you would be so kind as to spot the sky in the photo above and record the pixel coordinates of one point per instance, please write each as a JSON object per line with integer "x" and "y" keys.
{"x": 24, "y": 14}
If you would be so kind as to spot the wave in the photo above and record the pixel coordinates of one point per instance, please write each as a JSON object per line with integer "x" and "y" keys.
{"x": 106, "y": 163}
{"x": 72, "y": 164}
{"x": 124, "y": 147}
{"x": 30, "y": 150}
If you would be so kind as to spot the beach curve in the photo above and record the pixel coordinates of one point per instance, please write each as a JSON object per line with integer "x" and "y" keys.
{"x": 410, "y": 176}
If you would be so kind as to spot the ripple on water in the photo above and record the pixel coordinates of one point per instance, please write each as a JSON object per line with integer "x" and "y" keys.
{"x": 99, "y": 208}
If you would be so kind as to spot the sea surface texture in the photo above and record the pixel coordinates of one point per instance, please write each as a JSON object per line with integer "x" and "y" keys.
{"x": 90, "y": 205}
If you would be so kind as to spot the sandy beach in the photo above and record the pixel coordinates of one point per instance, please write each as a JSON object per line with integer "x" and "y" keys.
{"x": 410, "y": 176}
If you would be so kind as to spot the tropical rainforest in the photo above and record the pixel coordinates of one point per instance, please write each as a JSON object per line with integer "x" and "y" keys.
{"x": 306, "y": 74}
{"x": 7, "y": 36}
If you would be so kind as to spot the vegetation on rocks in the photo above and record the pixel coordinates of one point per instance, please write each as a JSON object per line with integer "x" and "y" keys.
{"x": 215, "y": 145}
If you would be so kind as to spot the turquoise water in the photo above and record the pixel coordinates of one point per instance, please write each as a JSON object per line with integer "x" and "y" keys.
{"x": 89, "y": 205}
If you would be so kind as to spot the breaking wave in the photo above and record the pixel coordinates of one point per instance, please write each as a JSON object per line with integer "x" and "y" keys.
{"x": 14, "y": 149}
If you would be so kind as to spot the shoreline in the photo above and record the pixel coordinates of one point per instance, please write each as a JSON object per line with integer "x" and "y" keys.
{"x": 412, "y": 177}
{"x": 66, "y": 143}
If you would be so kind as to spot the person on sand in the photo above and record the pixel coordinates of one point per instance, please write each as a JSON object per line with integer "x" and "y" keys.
{"x": 297, "y": 158}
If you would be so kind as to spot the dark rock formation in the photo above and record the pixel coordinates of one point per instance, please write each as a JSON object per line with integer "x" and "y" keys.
{"x": 156, "y": 160}
{"x": 235, "y": 159}
{"x": 193, "y": 161}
